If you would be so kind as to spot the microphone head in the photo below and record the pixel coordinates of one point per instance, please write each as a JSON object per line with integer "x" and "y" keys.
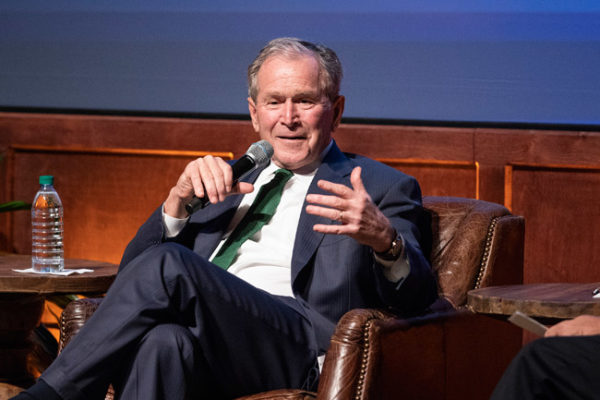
{"x": 261, "y": 152}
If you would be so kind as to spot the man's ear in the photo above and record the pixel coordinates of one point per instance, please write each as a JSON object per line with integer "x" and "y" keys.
{"x": 253, "y": 116}
{"x": 338, "y": 110}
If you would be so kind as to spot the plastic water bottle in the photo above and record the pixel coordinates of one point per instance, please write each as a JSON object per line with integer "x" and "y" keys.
{"x": 47, "y": 228}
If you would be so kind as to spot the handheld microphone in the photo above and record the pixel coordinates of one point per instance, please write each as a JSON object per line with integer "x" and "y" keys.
{"x": 257, "y": 155}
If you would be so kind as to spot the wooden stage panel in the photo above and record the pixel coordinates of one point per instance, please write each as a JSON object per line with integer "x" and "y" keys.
{"x": 562, "y": 226}
{"x": 441, "y": 177}
{"x": 106, "y": 193}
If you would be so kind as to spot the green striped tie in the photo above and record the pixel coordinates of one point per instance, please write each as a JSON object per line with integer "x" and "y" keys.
{"x": 260, "y": 212}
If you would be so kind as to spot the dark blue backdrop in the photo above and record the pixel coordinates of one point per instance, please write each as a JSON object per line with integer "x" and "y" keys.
{"x": 519, "y": 61}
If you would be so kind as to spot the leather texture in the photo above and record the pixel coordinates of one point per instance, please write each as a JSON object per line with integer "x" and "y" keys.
{"x": 466, "y": 235}
{"x": 284, "y": 394}
{"x": 74, "y": 316}
{"x": 375, "y": 355}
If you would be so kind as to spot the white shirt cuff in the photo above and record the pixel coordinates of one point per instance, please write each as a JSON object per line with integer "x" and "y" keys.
{"x": 395, "y": 270}
{"x": 173, "y": 225}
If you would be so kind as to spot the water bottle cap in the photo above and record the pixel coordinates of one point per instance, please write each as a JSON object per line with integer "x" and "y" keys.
{"x": 46, "y": 180}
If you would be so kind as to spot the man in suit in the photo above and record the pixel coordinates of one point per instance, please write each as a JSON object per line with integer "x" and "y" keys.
{"x": 348, "y": 232}
{"x": 565, "y": 364}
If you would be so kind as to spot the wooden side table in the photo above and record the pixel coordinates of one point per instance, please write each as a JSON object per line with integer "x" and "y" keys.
{"x": 22, "y": 297}
{"x": 542, "y": 300}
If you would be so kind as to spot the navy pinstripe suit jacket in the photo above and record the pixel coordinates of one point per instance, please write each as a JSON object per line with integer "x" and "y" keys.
{"x": 330, "y": 274}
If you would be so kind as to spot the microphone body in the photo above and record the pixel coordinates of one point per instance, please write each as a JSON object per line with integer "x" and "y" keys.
{"x": 258, "y": 155}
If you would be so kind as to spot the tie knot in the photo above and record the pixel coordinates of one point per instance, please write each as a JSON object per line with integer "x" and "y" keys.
{"x": 272, "y": 189}
{"x": 283, "y": 173}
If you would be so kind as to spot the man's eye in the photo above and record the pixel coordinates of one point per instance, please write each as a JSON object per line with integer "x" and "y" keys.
{"x": 272, "y": 102}
{"x": 306, "y": 103}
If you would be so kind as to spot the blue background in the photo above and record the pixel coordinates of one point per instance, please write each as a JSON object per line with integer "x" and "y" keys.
{"x": 469, "y": 61}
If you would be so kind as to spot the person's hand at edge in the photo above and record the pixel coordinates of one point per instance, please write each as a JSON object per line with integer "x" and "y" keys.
{"x": 584, "y": 325}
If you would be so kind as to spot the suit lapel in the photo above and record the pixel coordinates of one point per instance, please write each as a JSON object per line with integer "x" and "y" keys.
{"x": 335, "y": 168}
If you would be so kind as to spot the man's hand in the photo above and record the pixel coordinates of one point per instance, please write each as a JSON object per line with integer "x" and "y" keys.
{"x": 359, "y": 217}
{"x": 206, "y": 176}
{"x": 583, "y": 325}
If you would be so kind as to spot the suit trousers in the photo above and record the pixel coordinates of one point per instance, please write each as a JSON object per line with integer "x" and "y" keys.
{"x": 553, "y": 368}
{"x": 175, "y": 326}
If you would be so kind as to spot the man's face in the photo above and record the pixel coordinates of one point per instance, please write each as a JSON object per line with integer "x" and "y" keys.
{"x": 291, "y": 112}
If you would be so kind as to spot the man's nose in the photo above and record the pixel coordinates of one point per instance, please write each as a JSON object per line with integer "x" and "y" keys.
{"x": 290, "y": 113}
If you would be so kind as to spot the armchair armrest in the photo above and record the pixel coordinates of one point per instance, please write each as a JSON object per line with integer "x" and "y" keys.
{"x": 75, "y": 314}
{"x": 374, "y": 355}
{"x": 281, "y": 394}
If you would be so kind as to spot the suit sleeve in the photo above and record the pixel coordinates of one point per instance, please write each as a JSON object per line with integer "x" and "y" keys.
{"x": 150, "y": 234}
{"x": 402, "y": 205}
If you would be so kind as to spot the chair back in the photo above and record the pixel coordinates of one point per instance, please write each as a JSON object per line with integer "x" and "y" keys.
{"x": 474, "y": 241}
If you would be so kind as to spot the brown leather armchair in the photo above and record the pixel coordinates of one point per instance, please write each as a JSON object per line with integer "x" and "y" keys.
{"x": 448, "y": 353}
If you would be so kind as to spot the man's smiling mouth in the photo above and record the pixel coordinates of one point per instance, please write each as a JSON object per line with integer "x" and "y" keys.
{"x": 291, "y": 137}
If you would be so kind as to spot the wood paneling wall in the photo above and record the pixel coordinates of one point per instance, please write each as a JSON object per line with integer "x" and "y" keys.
{"x": 111, "y": 172}
{"x": 563, "y": 219}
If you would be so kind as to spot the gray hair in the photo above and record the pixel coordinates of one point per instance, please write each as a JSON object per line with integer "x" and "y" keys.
{"x": 330, "y": 75}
